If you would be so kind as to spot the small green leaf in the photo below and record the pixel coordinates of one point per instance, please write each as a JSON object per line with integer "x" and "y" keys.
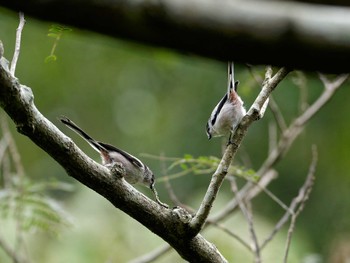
{"x": 53, "y": 35}
{"x": 188, "y": 157}
{"x": 184, "y": 166}
{"x": 50, "y": 58}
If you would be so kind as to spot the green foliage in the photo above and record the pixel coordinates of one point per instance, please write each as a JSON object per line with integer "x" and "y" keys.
{"x": 203, "y": 165}
{"x": 27, "y": 204}
{"x": 55, "y": 32}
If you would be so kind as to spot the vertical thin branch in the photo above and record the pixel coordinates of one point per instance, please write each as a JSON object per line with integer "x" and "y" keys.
{"x": 273, "y": 136}
{"x": 277, "y": 114}
{"x": 302, "y": 197}
{"x": 249, "y": 217}
{"x": 11, "y": 146}
{"x": 168, "y": 185}
{"x": 11, "y": 252}
{"x": 18, "y": 43}
{"x": 1, "y": 49}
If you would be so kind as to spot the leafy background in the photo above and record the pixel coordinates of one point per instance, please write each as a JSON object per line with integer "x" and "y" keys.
{"x": 154, "y": 101}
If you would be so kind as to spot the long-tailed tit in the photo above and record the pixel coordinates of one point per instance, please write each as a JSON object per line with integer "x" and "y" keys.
{"x": 135, "y": 170}
{"x": 228, "y": 112}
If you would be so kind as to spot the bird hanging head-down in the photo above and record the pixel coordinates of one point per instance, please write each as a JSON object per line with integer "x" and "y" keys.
{"x": 228, "y": 113}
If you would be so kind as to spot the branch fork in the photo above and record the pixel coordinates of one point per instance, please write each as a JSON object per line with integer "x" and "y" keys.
{"x": 255, "y": 112}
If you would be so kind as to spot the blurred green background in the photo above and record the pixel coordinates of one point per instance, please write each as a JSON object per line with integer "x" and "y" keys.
{"x": 148, "y": 100}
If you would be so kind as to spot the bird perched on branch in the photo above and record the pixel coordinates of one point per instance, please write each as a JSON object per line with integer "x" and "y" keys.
{"x": 135, "y": 170}
{"x": 228, "y": 112}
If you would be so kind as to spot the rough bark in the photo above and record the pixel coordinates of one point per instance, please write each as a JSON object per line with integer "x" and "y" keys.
{"x": 170, "y": 224}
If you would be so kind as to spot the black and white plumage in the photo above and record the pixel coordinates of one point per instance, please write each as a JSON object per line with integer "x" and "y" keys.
{"x": 228, "y": 112}
{"x": 135, "y": 170}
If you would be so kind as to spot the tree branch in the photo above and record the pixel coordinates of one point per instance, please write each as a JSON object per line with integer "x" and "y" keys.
{"x": 252, "y": 115}
{"x": 282, "y": 33}
{"x": 18, "y": 43}
{"x": 171, "y": 225}
{"x": 300, "y": 200}
{"x": 287, "y": 138}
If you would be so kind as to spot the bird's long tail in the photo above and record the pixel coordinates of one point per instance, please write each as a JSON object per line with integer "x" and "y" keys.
{"x": 231, "y": 83}
{"x": 94, "y": 144}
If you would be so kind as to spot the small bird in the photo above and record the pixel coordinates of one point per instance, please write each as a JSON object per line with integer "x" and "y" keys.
{"x": 135, "y": 170}
{"x": 228, "y": 112}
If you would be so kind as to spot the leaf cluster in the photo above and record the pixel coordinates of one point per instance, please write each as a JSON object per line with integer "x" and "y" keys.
{"x": 55, "y": 32}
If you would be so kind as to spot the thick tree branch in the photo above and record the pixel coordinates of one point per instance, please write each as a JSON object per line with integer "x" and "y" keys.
{"x": 171, "y": 225}
{"x": 282, "y": 33}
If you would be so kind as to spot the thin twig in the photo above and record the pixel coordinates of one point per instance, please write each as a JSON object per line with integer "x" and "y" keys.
{"x": 160, "y": 157}
{"x": 277, "y": 114}
{"x": 300, "y": 81}
{"x": 249, "y": 217}
{"x": 249, "y": 191}
{"x": 302, "y": 197}
{"x": 290, "y": 211}
{"x": 268, "y": 73}
{"x": 232, "y": 234}
{"x": 16, "y": 157}
{"x": 168, "y": 186}
{"x": 11, "y": 252}
{"x": 153, "y": 255}
{"x": 272, "y": 103}
{"x": 1, "y": 49}
{"x": 273, "y": 136}
{"x": 290, "y": 134}
{"x": 273, "y": 197}
{"x": 18, "y": 43}
{"x": 3, "y": 147}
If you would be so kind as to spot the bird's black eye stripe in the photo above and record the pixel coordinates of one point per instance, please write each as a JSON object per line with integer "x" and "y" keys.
{"x": 236, "y": 85}
{"x": 221, "y": 104}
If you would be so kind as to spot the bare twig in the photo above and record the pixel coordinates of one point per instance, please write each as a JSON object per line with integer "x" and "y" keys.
{"x": 3, "y": 147}
{"x": 249, "y": 217}
{"x": 232, "y": 234}
{"x": 272, "y": 103}
{"x": 268, "y": 73}
{"x": 6, "y": 169}
{"x": 301, "y": 82}
{"x": 18, "y": 43}
{"x": 277, "y": 114}
{"x": 273, "y": 136}
{"x": 302, "y": 197}
{"x": 1, "y": 49}
{"x": 168, "y": 185}
{"x": 290, "y": 211}
{"x": 272, "y": 196}
{"x": 153, "y": 255}
{"x": 290, "y": 134}
{"x": 16, "y": 157}
{"x": 11, "y": 252}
